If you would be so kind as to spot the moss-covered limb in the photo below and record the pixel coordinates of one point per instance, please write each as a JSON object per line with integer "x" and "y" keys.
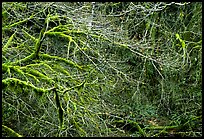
{"x": 31, "y": 65}
{"x": 59, "y": 28}
{"x": 75, "y": 32}
{"x": 72, "y": 40}
{"x": 46, "y": 56}
{"x": 30, "y": 72}
{"x": 4, "y": 58}
{"x": 25, "y": 20}
{"x": 23, "y": 70}
{"x": 39, "y": 74}
{"x": 79, "y": 87}
{"x": 43, "y": 63}
{"x": 61, "y": 34}
{"x": 30, "y": 36}
{"x": 8, "y": 68}
{"x": 21, "y": 45}
{"x": 5, "y": 67}
{"x": 133, "y": 124}
{"x": 15, "y": 24}
{"x": 59, "y": 107}
{"x": 4, "y": 49}
{"x": 53, "y": 29}
{"x": 67, "y": 31}
{"x": 39, "y": 42}
{"x": 24, "y": 60}
{"x": 63, "y": 70}
{"x": 34, "y": 77}
{"x": 64, "y": 31}
{"x": 16, "y": 82}
{"x": 141, "y": 131}
{"x": 18, "y": 70}
{"x": 48, "y": 66}
{"x": 181, "y": 41}
{"x": 11, "y": 131}
{"x": 18, "y": 23}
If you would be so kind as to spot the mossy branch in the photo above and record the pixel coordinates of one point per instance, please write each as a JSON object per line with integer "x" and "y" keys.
{"x": 27, "y": 34}
{"x": 59, "y": 107}
{"x": 16, "y": 82}
{"x": 141, "y": 131}
{"x": 79, "y": 87}
{"x": 33, "y": 55}
{"x": 22, "y": 21}
{"x": 12, "y": 131}
{"x": 17, "y": 23}
{"x": 24, "y": 60}
{"x": 60, "y": 34}
{"x": 39, "y": 74}
{"x": 5, "y": 68}
{"x": 34, "y": 77}
{"x": 39, "y": 42}
{"x": 44, "y": 63}
{"x": 30, "y": 72}
{"x": 135, "y": 124}
{"x": 46, "y": 56}
{"x": 4, "y": 49}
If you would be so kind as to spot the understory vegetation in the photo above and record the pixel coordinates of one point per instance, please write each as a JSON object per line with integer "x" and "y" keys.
{"x": 101, "y": 69}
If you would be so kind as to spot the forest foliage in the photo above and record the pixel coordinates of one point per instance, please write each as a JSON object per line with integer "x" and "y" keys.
{"x": 101, "y": 69}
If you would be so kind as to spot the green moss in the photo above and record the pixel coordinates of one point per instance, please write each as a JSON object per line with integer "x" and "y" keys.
{"x": 16, "y": 82}
{"x": 8, "y": 43}
{"x": 60, "y": 109}
{"x": 11, "y": 131}
{"x": 71, "y": 63}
